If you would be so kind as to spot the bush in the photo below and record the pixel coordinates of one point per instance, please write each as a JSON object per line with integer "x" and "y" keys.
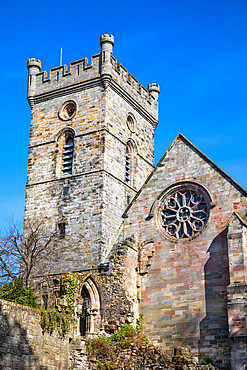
{"x": 108, "y": 350}
{"x": 17, "y": 291}
{"x": 207, "y": 361}
{"x": 125, "y": 332}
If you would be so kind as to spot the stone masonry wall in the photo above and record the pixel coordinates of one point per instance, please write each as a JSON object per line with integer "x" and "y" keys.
{"x": 92, "y": 199}
{"x": 115, "y": 288}
{"x": 24, "y": 346}
{"x": 184, "y": 293}
{"x": 237, "y": 291}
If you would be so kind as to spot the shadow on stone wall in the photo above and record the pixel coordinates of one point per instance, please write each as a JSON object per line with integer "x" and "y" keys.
{"x": 214, "y": 340}
{"x": 15, "y": 350}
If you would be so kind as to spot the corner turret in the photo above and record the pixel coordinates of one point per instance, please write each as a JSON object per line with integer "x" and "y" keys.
{"x": 106, "y": 43}
{"x": 154, "y": 90}
{"x": 34, "y": 67}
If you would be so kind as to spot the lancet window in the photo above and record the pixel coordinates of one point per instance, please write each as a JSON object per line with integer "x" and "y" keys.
{"x": 65, "y": 152}
{"x": 90, "y": 319}
{"x": 68, "y": 150}
{"x": 130, "y": 162}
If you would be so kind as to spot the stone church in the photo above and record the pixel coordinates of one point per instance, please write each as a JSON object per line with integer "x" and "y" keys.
{"x": 167, "y": 241}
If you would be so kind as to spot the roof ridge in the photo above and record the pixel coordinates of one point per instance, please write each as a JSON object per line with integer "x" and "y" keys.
{"x": 212, "y": 164}
{"x": 180, "y": 136}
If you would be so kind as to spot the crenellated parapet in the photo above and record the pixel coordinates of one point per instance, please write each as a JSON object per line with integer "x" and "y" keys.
{"x": 148, "y": 98}
{"x": 60, "y": 78}
{"x": 104, "y": 71}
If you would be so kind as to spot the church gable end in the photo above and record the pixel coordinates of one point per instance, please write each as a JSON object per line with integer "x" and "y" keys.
{"x": 185, "y": 206}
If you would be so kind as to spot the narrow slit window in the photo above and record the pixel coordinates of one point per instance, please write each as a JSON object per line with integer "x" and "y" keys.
{"x": 68, "y": 150}
{"x": 61, "y": 230}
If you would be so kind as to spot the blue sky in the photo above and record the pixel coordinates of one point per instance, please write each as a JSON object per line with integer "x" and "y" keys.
{"x": 196, "y": 51}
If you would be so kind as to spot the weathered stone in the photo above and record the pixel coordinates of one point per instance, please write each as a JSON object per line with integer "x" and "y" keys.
{"x": 168, "y": 243}
{"x": 23, "y": 345}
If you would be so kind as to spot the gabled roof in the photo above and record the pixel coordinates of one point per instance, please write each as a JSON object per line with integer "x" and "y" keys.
{"x": 200, "y": 154}
{"x": 236, "y": 215}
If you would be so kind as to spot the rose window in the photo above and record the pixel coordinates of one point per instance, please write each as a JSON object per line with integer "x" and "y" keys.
{"x": 183, "y": 213}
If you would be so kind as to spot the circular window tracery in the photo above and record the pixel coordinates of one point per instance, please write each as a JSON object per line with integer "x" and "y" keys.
{"x": 67, "y": 110}
{"x": 183, "y": 212}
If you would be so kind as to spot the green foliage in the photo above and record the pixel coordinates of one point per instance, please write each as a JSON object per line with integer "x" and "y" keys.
{"x": 128, "y": 346}
{"x": 52, "y": 319}
{"x": 207, "y": 361}
{"x": 100, "y": 346}
{"x": 126, "y": 332}
{"x": 68, "y": 288}
{"x": 106, "y": 350}
{"x": 18, "y": 292}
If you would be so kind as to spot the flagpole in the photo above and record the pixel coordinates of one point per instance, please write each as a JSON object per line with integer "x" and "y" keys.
{"x": 61, "y": 57}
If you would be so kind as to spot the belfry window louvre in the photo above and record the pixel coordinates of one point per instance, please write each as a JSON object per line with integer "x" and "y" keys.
{"x": 130, "y": 162}
{"x": 68, "y": 150}
{"x": 127, "y": 168}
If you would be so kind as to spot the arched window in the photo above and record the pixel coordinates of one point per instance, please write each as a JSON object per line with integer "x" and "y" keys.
{"x": 85, "y": 324}
{"x": 68, "y": 150}
{"x": 130, "y": 162}
{"x": 65, "y": 152}
{"x": 90, "y": 319}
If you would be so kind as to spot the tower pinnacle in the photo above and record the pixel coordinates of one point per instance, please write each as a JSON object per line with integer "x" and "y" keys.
{"x": 106, "y": 43}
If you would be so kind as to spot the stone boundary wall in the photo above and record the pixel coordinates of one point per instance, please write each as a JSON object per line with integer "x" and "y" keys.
{"x": 24, "y": 346}
{"x": 22, "y": 343}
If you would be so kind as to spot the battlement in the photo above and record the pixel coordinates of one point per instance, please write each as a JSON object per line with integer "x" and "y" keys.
{"x": 34, "y": 63}
{"x": 129, "y": 83}
{"x": 107, "y": 39}
{"x": 60, "y": 77}
{"x": 104, "y": 70}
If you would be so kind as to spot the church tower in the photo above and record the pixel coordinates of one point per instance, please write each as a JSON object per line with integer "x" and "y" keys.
{"x": 91, "y": 148}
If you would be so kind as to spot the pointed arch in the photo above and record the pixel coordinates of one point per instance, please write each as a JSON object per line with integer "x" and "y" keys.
{"x": 90, "y": 319}
{"x": 130, "y": 162}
